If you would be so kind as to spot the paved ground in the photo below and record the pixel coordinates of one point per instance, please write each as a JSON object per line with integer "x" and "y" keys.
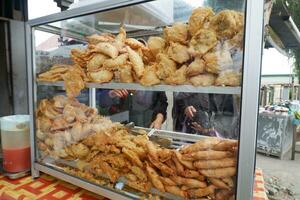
{"x": 286, "y": 172}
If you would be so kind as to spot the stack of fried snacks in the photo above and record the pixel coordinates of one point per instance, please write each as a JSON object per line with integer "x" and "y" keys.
{"x": 62, "y": 121}
{"x": 69, "y": 130}
{"x": 202, "y": 53}
{"x": 55, "y": 73}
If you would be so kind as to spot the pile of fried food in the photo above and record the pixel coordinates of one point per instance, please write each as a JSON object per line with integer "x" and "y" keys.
{"x": 69, "y": 130}
{"x": 205, "y": 51}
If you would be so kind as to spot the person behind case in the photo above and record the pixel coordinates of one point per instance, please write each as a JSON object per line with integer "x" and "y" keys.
{"x": 208, "y": 114}
{"x": 146, "y": 108}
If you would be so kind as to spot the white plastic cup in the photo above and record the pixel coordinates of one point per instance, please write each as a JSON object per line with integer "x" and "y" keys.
{"x": 15, "y": 137}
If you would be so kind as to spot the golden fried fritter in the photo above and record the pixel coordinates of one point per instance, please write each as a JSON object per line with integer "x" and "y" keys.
{"x": 178, "y": 32}
{"x": 199, "y": 19}
{"x": 166, "y": 66}
{"x": 179, "y": 53}
{"x": 203, "y": 41}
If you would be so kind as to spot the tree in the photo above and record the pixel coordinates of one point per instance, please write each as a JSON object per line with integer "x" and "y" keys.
{"x": 293, "y": 7}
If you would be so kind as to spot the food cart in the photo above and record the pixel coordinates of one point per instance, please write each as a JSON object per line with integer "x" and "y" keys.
{"x": 192, "y": 50}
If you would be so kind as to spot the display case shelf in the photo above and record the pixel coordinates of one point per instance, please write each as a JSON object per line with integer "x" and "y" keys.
{"x": 169, "y": 88}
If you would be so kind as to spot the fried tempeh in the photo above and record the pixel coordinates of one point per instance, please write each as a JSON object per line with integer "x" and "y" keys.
{"x": 175, "y": 190}
{"x": 189, "y": 182}
{"x": 163, "y": 167}
{"x": 154, "y": 177}
{"x": 167, "y": 181}
{"x": 192, "y": 174}
{"x": 201, "y": 192}
{"x": 140, "y": 186}
{"x": 132, "y": 156}
{"x": 141, "y": 175}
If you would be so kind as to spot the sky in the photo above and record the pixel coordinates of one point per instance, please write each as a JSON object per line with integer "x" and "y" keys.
{"x": 272, "y": 63}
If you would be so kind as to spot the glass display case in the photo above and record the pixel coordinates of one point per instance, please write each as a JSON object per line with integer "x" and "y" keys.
{"x": 147, "y": 99}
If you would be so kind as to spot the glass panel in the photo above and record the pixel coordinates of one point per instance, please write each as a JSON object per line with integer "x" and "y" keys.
{"x": 180, "y": 144}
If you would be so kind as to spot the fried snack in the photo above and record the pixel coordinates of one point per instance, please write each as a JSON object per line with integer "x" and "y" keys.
{"x": 106, "y": 49}
{"x": 167, "y": 181}
{"x": 131, "y": 177}
{"x": 119, "y": 162}
{"x": 156, "y": 44}
{"x": 154, "y": 177}
{"x": 43, "y": 124}
{"x": 226, "y": 23}
{"x": 203, "y": 80}
{"x": 238, "y": 40}
{"x": 187, "y": 164}
{"x": 196, "y": 67}
{"x": 229, "y": 78}
{"x": 178, "y": 52}
{"x": 218, "y": 60}
{"x": 177, "y": 78}
{"x": 171, "y": 163}
{"x": 54, "y": 74}
{"x": 188, "y": 182}
{"x": 179, "y": 166}
{"x": 140, "y": 186}
{"x": 212, "y": 164}
{"x": 178, "y": 32}
{"x": 140, "y": 174}
{"x": 96, "y": 62}
{"x": 201, "y": 192}
{"x": 166, "y": 66}
{"x": 199, "y": 19}
{"x": 126, "y": 73}
{"x": 203, "y": 41}
{"x": 192, "y": 174}
{"x": 219, "y": 172}
{"x": 225, "y": 145}
{"x": 147, "y": 55}
{"x": 80, "y": 150}
{"x": 73, "y": 83}
{"x": 101, "y": 76}
{"x": 175, "y": 190}
{"x": 134, "y": 43}
{"x": 218, "y": 183}
{"x": 161, "y": 166}
{"x": 201, "y": 145}
{"x": 113, "y": 63}
{"x": 207, "y": 155}
{"x": 111, "y": 173}
{"x": 132, "y": 156}
{"x": 149, "y": 77}
{"x": 95, "y": 39}
{"x": 137, "y": 62}
{"x": 223, "y": 194}
{"x": 164, "y": 154}
{"x": 78, "y": 56}
{"x": 228, "y": 181}
{"x": 119, "y": 42}
{"x": 152, "y": 150}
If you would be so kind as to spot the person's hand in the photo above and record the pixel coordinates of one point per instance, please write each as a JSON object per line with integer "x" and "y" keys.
{"x": 189, "y": 111}
{"x": 158, "y": 121}
{"x": 197, "y": 127}
{"x": 121, "y": 93}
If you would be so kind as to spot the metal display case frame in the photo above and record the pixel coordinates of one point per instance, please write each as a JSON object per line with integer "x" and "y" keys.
{"x": 249, "y": 94}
